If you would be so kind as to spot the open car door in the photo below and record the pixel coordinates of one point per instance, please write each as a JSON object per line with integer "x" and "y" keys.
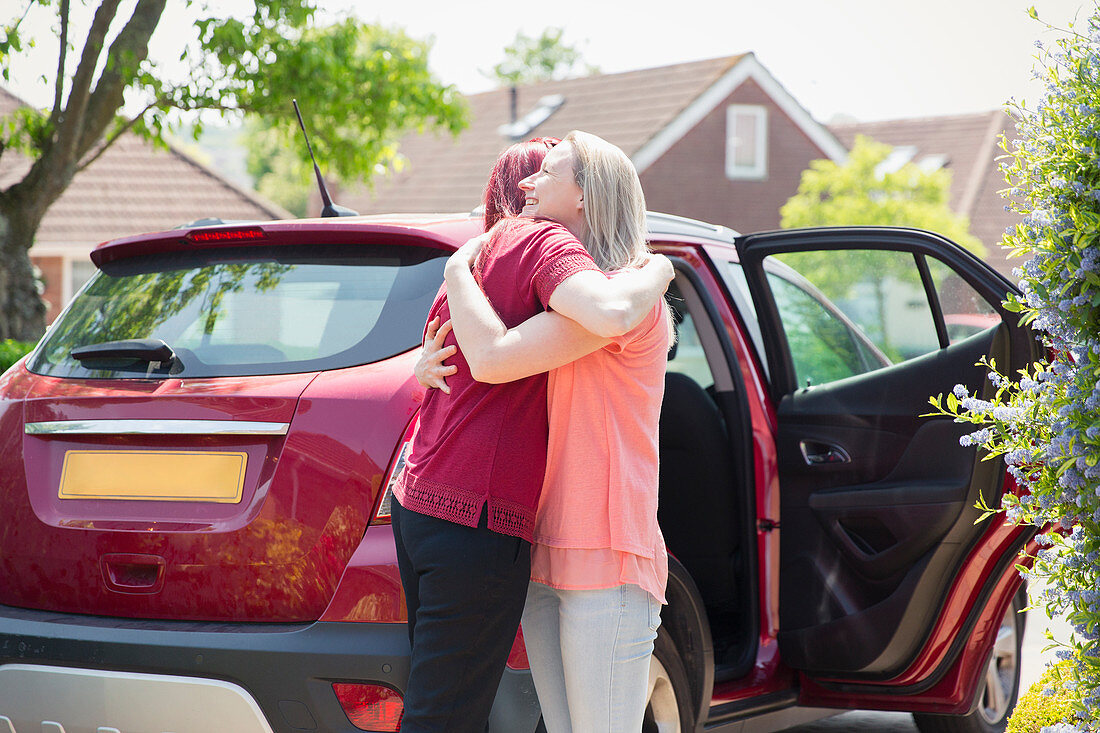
{"x": 877, "y": 529}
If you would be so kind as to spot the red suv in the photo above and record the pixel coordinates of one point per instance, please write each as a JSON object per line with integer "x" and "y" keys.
{"x": 195, "y": 462}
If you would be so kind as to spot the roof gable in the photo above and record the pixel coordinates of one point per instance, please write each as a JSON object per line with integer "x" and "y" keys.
{"x": 746, "y": 68}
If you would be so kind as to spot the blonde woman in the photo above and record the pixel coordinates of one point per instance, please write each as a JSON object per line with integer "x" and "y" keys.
{"x": 598, "y": 560}
{"x": 465, "y": 505}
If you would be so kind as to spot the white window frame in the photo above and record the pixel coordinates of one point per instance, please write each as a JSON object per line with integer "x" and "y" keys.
{"x": 759, "y": 169}
{"x": 69, "y": 287}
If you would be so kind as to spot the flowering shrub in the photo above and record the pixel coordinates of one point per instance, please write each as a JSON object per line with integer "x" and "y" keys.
{"x": 1045, "y": 421}
{"x": 1047, "y": 703}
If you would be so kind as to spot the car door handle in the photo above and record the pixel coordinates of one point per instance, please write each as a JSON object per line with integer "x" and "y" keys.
{"x": 817, "y": 453}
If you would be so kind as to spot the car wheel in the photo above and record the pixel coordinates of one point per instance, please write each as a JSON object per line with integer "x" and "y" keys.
{"x": 1000, "y": 685}
{"x": 669, "y": 706}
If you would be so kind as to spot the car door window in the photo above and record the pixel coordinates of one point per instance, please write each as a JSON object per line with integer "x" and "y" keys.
{"x": 824, "y": 346}
{"x": 848, "y": 312}
{"x": 965, "y": 312}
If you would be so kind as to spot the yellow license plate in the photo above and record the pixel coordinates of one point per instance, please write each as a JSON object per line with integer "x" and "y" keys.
{"x": 153, "y": 475}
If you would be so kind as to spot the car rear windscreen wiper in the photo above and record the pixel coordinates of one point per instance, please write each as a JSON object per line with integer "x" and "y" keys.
{"x": 153, "y": 351}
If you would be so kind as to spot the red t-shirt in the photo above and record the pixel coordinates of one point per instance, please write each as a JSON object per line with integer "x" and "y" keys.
{"x": 487, "y": 442}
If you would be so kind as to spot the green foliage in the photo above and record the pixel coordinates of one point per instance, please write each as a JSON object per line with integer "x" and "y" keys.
{"x": 529, "y": 59}
{"x": 858, "y": 192}
{"x": 1045, "y": 421}
{"x": 385, "y": 89}
{"x": 360, "y": 86}
{"x": 280, "y": 174}
{"x": 12, "y": 351}
{"x": 1047, "y": 702}
{"x": 26, "y": 130}
{"x": 12, "y": 41}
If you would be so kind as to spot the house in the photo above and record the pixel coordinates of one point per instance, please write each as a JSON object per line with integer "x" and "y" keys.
{"x": 132, "y": 188}
{"x": 968, "y": 145}
{"x": 719, "y": 140}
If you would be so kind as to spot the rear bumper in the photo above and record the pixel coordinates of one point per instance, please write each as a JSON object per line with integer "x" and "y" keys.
{"x": 35, "y": 697}
{"x": 284, "y": 671}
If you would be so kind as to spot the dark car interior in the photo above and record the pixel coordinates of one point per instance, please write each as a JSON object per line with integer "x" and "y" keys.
{"x": 705, "y": 501}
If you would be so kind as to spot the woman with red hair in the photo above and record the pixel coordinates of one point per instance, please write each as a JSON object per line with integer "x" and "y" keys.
{"x": 503, "y": 196}
{"x": 464, "y": 508}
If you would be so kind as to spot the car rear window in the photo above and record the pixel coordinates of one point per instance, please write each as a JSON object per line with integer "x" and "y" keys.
{"x": 246, "y": 311}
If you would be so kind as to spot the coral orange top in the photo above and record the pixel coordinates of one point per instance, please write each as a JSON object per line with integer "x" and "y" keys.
{"x": 596, "y": 524}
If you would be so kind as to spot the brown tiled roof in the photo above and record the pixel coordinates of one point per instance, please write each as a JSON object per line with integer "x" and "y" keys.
{"x": 970, "y": 143}
{"x": 627, "y": 109}
{"x": 132, "y": 188}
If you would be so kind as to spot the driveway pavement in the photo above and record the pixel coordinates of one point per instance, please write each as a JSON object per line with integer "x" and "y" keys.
{"x": 1033, "y": 658}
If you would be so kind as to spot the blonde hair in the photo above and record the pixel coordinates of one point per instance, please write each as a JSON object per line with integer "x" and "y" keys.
{"x": 614, "y": 205}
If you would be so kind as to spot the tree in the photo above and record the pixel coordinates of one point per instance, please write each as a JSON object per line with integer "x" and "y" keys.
{"x": 863, "y": 190}
{"x": 360, "y": 88}
{"x": 529, "y": 59}
{"x": 279, "y": 174}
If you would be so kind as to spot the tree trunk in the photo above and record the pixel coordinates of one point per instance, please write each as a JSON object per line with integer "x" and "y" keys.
{"x": 22, "y": 310}
{"x": 73, "y": 133}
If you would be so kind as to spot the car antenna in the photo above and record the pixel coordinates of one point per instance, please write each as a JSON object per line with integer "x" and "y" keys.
{"x": 328, "y": 208}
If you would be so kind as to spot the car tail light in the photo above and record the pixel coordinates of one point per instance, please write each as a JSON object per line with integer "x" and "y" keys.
{"x": 370, "y": 707}
{"x": 517, "y": 658}
{"x": 236, "y": 234}
{"x": 382, "y": 511}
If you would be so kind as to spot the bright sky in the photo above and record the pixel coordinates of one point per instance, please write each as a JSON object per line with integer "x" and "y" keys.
{"x": 870, "y": 59}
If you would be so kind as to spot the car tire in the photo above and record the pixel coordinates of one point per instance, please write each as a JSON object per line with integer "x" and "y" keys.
{"x": 1000, "y": 685}
{"x": 669, "y": 704}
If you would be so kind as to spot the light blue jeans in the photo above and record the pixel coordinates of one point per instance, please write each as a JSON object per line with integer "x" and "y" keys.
{"x": 589, "y": 653}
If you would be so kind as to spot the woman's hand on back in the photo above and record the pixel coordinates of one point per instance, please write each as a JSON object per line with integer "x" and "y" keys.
{"x": 430, "y": 370}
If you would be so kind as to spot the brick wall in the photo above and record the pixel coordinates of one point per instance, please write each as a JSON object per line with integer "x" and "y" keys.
{"x": 690, "y": 178}
{"x": 52, "y": 273}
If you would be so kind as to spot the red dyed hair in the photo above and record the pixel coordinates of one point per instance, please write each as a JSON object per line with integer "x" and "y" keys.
{"x": 502, "y": 195}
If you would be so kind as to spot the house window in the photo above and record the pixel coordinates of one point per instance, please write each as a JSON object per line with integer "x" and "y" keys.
{"x": 81, "y": 271}
{"x": 746, "y": 142}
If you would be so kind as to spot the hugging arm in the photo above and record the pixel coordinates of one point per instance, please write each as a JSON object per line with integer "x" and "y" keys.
{"x": 497, "y": 353}
{"x": 610, "y": 307}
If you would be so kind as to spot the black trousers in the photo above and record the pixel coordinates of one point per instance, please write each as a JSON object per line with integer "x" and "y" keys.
{"x": 464, "y": 590}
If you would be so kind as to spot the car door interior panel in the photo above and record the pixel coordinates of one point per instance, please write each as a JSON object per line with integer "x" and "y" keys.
{"x": 871, "y": 526}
